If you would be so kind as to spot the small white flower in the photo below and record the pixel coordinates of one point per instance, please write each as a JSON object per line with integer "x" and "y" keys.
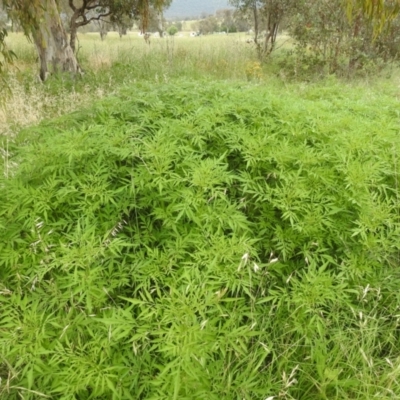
{"x": 256, "y": 267}
{"x": 274, "y": 260}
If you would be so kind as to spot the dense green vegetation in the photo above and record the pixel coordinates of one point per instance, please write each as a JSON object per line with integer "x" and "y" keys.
{"x": 204, "y": 240}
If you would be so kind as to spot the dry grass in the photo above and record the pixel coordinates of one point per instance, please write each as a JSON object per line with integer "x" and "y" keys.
{"x": 30, "y": 101}
{"x": 23, "y": 108}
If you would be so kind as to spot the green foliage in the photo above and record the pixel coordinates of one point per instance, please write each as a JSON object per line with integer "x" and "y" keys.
{"x": 338, "y": 36}
{"x": 7, "y": 55}
{"x": 327, "y": 42}
{"x": 380, "y": 12}
{"x": 267, "y": 17}
{"x": 204, "y": 241}
{"x": 172, "y": 30}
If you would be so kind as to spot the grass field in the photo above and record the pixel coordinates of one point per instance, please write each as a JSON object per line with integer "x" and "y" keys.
{"x": 116, "y": 62}
{"x": 183, "y": 222}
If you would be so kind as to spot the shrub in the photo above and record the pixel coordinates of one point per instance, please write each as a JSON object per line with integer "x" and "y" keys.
{"x": 172, "y": 30}
{"x": 325, "y": 37}
{"x": 204, "y": 241}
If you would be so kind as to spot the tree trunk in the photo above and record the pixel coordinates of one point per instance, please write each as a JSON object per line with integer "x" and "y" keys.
{"x": 160, "y": 27}
{"x": 73, "y": 36}
{"x": 51, "y": 40}
{"x": 103, "y": 34}
{"x": 103, "y": 29}
{"x": 354, "y": 53}
{"x": 73, "y": 28}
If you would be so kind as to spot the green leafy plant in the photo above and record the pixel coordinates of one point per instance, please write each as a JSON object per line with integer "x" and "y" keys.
{"x": 203, "y": 241}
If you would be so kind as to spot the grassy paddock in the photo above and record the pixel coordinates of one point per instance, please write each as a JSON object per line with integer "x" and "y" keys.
{"x": 114, "y": 63}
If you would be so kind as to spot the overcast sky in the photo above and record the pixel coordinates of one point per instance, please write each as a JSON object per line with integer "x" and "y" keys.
{"x": 194, "y": 8}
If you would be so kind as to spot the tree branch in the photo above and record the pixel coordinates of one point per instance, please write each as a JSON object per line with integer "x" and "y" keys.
{"x": 72, "y": 5}
{"x": 87, "y": 21}
{"x": 100, "y": 16}
{"x": 92, "y": 7}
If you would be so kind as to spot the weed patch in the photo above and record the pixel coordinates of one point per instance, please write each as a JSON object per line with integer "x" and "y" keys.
{"x": 204, "y": 241}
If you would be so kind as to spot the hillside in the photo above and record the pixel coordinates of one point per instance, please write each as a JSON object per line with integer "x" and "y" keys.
{"x": 194, "y": 8}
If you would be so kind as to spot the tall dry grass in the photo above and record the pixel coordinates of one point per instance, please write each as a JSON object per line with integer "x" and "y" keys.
{"x": 111, "y": 65}
{"x": 115, "y": 63}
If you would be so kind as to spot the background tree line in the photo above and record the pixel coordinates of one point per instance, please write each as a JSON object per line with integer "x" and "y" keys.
{"x": 225, "y": 20}
{"x": 328, "y": 34}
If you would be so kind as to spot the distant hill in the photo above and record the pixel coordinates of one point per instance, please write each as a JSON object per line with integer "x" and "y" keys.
{"x": 194, "y": 8}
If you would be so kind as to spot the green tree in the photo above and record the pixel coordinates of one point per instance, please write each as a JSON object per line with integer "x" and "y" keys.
{"x": 4, "y": 19}
{"x": 122, "y": 25}
{"x": 208, "y": 25}
{"x": 104, "y": 25}
{"x": 226, "y": 16}
{"x": 241, "y": 21}
{"x": 8, "y": 55}
{"x": 41, "y": 21}
{"x": 172, "y": 30}
{"x": 267, "y": 17}
{"x": 328, "y": 41}
{"x": 379, "y": 11}
{"x": 117, "y": 12}
{"x": 156, "y": 21}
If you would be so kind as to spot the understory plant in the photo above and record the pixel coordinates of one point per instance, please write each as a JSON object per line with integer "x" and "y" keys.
{"x": 204, "y": 240}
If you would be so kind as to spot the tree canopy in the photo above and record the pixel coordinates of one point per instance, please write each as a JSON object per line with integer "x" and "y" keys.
{"x": 40, "y": 20}
{"x": 31, "y": 14}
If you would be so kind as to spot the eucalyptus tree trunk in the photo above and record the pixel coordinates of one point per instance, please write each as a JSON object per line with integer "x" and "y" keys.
{"x": 73, "y": 35}
{"x": 103, "y": 29}
{"x": 160, "y": 24}
{"x": 51, "y": 40}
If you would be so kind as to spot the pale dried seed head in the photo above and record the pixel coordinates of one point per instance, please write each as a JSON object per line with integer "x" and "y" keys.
{"x": 365, "y": 291}
{"x": 389, "y": 362}
{"x": 271, "y": 255}
{"x": 369, "y": 361}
